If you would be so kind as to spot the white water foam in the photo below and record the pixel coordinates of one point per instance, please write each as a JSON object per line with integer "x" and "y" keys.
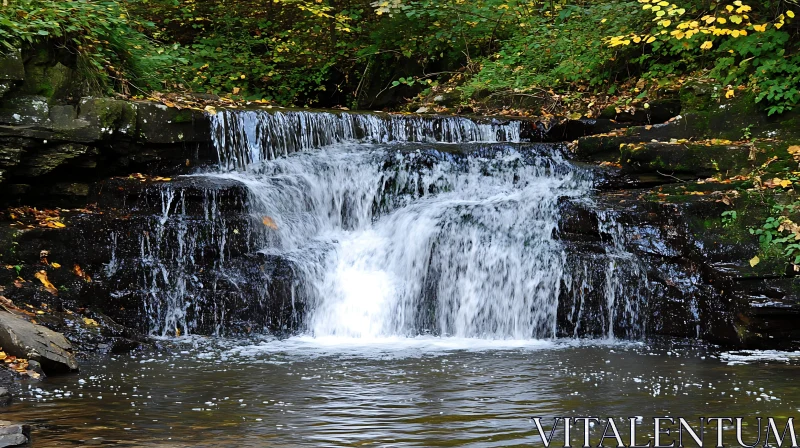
{"x": 466, "y": 248}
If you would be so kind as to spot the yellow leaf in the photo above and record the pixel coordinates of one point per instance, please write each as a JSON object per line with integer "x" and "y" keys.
{"x": 790, "y": 14}
{"x": 236, "y": 90}
{"x": 706, "y": 45}
{"x": 56, "y": 265}
{"x": 269, "y": 222}
{"x": 90, "y": 322}
{"x": 729, "y": 93}
{"x": 754, "y": 261}
{"x": 793, "y": 150}
{"x": 786, "y": 183}
{"x": 42, "y": 276}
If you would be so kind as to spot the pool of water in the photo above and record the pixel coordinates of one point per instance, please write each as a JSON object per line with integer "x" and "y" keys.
{"x": 392, "y": 392}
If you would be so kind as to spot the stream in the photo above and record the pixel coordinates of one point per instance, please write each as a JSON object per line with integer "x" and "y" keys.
{"x": 393, "y": 392}
{"x": 384, "y": 281}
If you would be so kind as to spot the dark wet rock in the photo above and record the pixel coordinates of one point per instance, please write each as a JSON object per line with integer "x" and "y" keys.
{"x": 36, "y": 366}
{"x": 160, "y": 124}
{"x": 701, "y": 284}
{"x": 23, "y": 339}
{"x": 577, "y": 221}
{"x": 568, "y": 130}
{"x": 25, "y": 111}
{"x": 657, "y": 111}
{"x": 12, "y": 67}
{"x": 5, "y": 397}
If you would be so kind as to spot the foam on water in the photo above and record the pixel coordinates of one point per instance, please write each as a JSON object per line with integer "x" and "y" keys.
{"x": 762, "y": 356}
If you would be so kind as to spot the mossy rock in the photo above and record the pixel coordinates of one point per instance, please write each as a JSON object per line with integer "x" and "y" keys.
{"x": 109, "y": 115}
{"x": 694, "y": 160}
{"x": 157, "y": 123}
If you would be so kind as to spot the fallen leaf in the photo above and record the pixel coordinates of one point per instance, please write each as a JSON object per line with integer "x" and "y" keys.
{"x": 56, "y": 265}
{"x": 42, "y": 276}
{"x": 90, "y": 322}
{"x": 269, "y": 222}
{"x": 754, "y": 261}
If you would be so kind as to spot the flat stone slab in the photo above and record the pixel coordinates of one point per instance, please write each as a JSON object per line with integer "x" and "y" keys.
{"x": 22, "y": 339}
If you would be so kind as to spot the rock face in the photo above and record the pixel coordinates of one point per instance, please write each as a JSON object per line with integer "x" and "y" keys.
{"x": 23, "y": 339}
{"x": 53, "y": 132}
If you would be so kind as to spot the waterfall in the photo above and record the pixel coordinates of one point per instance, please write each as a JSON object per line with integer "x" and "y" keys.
{"x": 243, "y": 138}
{"x": 368, "y": 226}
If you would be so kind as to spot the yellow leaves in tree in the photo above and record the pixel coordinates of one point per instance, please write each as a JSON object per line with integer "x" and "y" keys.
{"x": 732, "y": 15}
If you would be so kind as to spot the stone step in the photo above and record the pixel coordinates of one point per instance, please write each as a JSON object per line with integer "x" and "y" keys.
{"x": 192, "y": 195}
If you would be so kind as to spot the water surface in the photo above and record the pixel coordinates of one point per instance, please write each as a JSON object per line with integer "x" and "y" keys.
{"x": 392, "y": 392}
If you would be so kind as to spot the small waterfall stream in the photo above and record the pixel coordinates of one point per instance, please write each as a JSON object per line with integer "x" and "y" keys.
{"x": 391, "y": 225}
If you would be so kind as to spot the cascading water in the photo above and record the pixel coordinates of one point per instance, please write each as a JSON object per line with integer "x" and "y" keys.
{"x": 389, "y": 233}
{"x": 243, "y": 138}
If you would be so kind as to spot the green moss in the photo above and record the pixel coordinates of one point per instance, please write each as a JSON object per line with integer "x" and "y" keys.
{"x": 184, "y": 116}
{"x": 696, "y": 97}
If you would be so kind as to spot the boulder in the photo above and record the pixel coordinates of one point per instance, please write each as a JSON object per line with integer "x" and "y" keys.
{"x": 12, "y": 434}
{"x": 23, "y": 339}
